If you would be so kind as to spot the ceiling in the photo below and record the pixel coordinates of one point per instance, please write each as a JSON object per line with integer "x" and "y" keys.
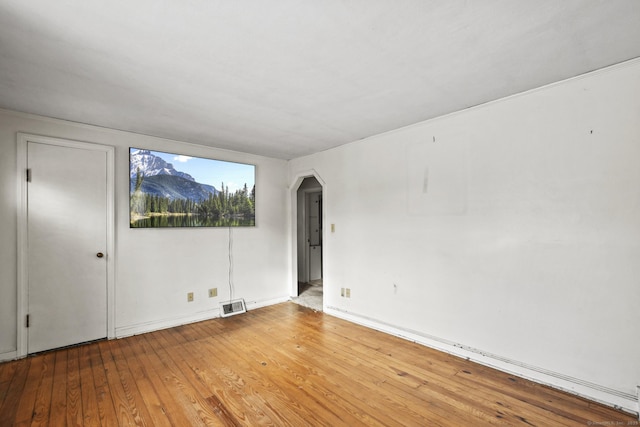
{"x": 287, "y": 78}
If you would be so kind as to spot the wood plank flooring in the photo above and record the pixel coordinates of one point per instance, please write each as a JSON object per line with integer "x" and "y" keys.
{"x": 283, "y": 365}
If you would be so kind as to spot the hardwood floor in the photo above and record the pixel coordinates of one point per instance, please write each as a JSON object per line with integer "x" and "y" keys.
{"x": 283, "y": 365}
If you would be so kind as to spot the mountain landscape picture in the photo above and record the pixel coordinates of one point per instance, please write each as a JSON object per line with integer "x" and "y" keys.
{"x": 173, "y": 190}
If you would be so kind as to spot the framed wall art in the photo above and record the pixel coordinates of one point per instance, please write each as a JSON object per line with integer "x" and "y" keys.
{"x": 175, "y": 190}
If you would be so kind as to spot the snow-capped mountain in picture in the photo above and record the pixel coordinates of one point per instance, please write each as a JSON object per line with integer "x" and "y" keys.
{"x": 160, "y": 178}
{"x": 152, "y": 165}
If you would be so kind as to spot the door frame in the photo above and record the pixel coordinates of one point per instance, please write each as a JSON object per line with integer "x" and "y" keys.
{"x": 23, "y": 140}
{"x": 293, "y": 202}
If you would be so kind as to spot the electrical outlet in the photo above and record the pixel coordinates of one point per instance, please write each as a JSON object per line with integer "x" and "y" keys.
{"x": 333, "y": 228}
{"x": 213, "y": 292}
{"x": 348, "y": 293}
{"x": 190, "y": 297}
{"x": 341, "y": 292}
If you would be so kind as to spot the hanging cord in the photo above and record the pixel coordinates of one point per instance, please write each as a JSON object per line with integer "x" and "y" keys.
{"x": 230, "y": 264}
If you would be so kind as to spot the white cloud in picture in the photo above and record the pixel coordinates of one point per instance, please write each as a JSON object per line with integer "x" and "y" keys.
{"x": 182, "y": 159}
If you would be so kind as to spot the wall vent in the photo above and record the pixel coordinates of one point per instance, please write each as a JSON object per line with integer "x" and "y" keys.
{"x": 230, "y": 308}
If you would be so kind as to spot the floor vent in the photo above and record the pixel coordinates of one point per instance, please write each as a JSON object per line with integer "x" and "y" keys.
{"x": 230, "y": 308}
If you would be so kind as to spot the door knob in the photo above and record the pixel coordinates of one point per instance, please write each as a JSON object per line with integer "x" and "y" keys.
{"x": 99, "y": 254}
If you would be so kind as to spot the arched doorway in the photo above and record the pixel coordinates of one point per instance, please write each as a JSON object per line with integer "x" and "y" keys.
{"x": 308, "y": 242}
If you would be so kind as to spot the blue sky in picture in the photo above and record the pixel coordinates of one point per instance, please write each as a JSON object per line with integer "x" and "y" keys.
{"x": 212, "y": 172}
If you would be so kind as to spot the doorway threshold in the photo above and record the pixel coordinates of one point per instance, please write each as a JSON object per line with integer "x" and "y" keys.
{"x": 310, "y": 295}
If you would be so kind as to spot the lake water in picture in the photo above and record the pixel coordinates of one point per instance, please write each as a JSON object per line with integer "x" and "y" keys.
{"x": 191, "y": 221}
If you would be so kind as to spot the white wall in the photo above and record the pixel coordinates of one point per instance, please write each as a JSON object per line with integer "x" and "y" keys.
{"x": 155, "y": 268}
{"x": 512, "y": 228}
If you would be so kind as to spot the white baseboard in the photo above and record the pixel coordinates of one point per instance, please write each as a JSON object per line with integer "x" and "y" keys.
{"x": 607, "y": 396}
{"x": 251, "y": 305}
{"x": 9, "y": 355}
{"x": 156, "y": 325}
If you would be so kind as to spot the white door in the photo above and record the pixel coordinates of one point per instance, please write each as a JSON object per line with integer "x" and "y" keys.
{"x": 66, "y": 245}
